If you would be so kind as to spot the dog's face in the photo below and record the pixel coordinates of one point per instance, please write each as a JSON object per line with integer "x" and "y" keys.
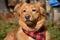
{"x": 30, "y": 14}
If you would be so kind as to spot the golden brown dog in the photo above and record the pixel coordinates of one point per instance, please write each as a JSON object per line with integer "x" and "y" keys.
{"x": 31, "y": 20}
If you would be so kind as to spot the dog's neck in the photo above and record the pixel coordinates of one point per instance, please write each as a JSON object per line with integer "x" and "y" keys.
{"x": 40, "y": 30}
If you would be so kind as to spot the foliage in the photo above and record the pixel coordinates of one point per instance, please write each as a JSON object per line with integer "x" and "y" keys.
{"x": 5, "y": 27}
{"x": 54, "y": 31}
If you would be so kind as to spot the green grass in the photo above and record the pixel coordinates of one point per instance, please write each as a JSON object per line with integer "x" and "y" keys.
{"x": 54, "y": 31}
{"x": 5, "y": 27}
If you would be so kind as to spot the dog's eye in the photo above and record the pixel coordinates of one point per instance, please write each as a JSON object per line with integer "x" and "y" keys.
{"x": 33, "y": 10}
{"x": 24, "y": 10}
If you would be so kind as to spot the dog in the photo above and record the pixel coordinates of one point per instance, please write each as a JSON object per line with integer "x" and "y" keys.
{"x": 31, "y": 21}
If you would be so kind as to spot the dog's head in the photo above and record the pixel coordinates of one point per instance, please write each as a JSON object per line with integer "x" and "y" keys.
{"x": 32, "y": 15}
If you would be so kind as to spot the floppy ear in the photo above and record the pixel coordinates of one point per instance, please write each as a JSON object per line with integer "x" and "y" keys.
{"x": 41, "y": 10}
{"x": 41, "y": 7}
{"x": 42, "y": 13}
{"x": 17, "y": 7}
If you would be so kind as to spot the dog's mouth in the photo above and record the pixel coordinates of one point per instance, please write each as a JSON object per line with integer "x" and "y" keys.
{"x": 28, "y": 22}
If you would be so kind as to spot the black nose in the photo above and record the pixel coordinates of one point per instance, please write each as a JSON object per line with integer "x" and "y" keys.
{"x": 27, "y": 17}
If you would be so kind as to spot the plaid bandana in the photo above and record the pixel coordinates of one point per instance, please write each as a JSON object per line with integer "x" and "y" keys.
{"x": 37, "y": 35}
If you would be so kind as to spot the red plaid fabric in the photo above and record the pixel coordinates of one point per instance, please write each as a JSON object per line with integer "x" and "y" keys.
{"x": 37, "y": 35}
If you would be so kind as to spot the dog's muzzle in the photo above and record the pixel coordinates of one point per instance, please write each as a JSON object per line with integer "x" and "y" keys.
{"x": 27, "y": 17}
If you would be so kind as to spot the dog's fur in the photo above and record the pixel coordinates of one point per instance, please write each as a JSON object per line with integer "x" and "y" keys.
{"x": 32, "y": 17}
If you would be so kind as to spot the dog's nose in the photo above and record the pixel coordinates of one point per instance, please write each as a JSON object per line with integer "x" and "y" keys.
{"x": 27, "y": 17}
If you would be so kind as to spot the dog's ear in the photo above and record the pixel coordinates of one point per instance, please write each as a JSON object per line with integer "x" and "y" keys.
{"x": 42, "y": 13}
{"x": 42, "y": 10}
{"x": 17, "y": 7}
{"x": 41, "y": 7}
